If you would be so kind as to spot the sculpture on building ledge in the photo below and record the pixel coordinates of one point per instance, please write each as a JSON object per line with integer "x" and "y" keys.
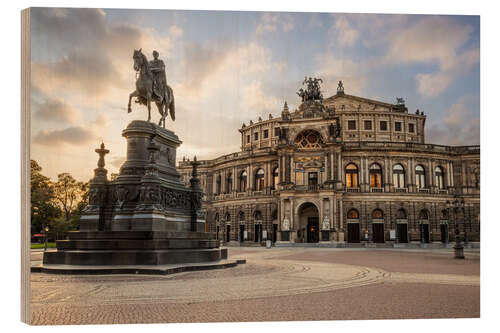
{"x": 151, "y": 85}
{"x": 312, "y": 91}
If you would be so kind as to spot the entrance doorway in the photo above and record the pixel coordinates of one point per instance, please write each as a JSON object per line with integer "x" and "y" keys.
{"x": 313, "y": 178}
{"x": 353, "y": 233}
{"x": 402, "y": 231}
{"x": 444, "y": 233}
{"x": 258, "y": 233}
{"x": 308, "y": 230}
{"x": 242, "y": 233}
{"x": 378, "y": 232}
{"x": 228, "y": 233}
{"x": 312, "y": 230}
{"x": 424, "y": 233}
{"x": 275, "y": 233}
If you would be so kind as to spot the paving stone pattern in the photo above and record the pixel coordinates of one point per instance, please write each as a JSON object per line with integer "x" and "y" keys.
{"x": 275, "y": 284}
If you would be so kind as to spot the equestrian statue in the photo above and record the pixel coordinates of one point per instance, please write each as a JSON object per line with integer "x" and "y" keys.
{"x": 151, "y": 85}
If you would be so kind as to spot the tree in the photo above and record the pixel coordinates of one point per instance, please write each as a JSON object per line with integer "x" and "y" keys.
{"x": 43, "y": 209}
{"x": 68, "y": 193}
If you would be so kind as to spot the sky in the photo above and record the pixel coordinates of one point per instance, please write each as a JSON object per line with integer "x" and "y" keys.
{"x": 227, "y": 68}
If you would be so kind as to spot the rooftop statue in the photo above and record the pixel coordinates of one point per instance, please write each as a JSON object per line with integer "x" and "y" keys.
{"x": 340, "y": 88}
{"x": 151, "y": 85}
{"x": 312, "y": 91}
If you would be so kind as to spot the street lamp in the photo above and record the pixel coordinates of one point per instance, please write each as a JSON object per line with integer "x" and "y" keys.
{"x": 459, "y": 248}
{"x": 466, "y": 239}
{"x": 46, "y": 229}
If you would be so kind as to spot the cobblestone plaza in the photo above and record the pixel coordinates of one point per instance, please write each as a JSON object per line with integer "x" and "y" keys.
{"x": 276, "y": 284}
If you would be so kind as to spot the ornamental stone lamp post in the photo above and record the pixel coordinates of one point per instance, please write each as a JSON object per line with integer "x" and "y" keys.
{"x": 459, "y": 249}
{"x": 466, "y": 239}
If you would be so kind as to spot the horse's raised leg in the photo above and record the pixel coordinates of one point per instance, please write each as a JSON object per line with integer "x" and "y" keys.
{"x": 133, "y": 94}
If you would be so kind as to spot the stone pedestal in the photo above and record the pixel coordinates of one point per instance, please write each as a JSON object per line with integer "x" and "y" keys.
{"x": 146, "y": 216}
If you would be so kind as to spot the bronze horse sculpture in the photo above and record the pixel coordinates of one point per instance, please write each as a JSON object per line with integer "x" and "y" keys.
{"x": 144, "y": 90}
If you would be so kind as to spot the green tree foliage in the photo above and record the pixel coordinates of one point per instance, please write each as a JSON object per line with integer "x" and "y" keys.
{"x": 68, "y": 192}
{"x": 43, "y": 210}
{"x": 57, "y": 205}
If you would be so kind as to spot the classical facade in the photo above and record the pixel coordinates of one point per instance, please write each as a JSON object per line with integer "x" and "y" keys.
{"x": 344, "y": 169}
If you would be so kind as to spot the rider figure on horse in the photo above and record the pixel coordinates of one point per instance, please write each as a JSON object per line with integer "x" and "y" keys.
{"x": 157, "y": 67}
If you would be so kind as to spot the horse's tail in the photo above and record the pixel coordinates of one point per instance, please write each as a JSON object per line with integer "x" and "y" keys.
{"x": 171, "y": 103}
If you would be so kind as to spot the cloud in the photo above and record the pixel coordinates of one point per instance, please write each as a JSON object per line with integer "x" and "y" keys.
{"x": 274, "y": 22}
{"x": 433, "y": 84}
{"x": 460, "y": 125}
{"x": 333, "y": 68}
{"x": 254, "y": 97}
{"x": 345, "y": 34}
{"x": 55, "y": 110}
{"x": 75, "y": 136}
{"x": 91, "y": 52}
{"x": 435, "y": 39}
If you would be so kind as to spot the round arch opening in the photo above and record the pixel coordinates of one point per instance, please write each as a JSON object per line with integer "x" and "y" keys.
{"x": 308, "y": 231}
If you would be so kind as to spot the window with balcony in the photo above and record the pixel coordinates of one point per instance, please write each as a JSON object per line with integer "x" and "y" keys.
{"x": 420, "y": 176}
{"x": 266, "y": 134}
{"x": 276, "y": 131}
{"x": 351, "y": 175}
{"x": 243, "y": 181}
{"x": 397, "y": 126}
{"x": 229, "y": 183}
{"x": 276, "y": 178}
{"x": 218, "y": 184}
{"x": 375, "y": 176}
{"x": 411, "y": 128}
{"x": 368, "y": 124}
{"x": 256, "y": 136}
{"x": 351, "y": 124}
{"x": 439, "y": 177}
{"x": 259, "y": 180}
{"x": 248, "y": 138}
{"x": 398, "y": 176}
{"x": 383, "y": 125}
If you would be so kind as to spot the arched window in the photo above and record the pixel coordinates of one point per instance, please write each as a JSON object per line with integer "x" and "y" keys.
{"x": 439, "y": 176}
{"x": 218, "y": 184}
{"x": 401, "y": 214}
{"x": 377, "y": 214}
{"x": 229, "y": 183}
{"x": 398, "y": 176}
{"x": 423, "y": 215}
{"x": 258, "y": 215}
{"x": 420, "y": 176}
{"x": 351, "y": 175}
{"x": 243, "y": 181}
{"x": 216, "y": 218}
{"x": 309, "y": 139}
{"x": 375, "y": 175}
{"x": 444, "y": 214}
{"x": 228, "y": 217}
{"x": 276, "y": 178}
{"x": 259, "y": 180}
{"x": 353, "y": 214}
{"x": 241, "y": 217}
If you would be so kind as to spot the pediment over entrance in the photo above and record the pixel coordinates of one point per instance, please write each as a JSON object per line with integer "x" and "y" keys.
{"x": 352, "y": 103}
